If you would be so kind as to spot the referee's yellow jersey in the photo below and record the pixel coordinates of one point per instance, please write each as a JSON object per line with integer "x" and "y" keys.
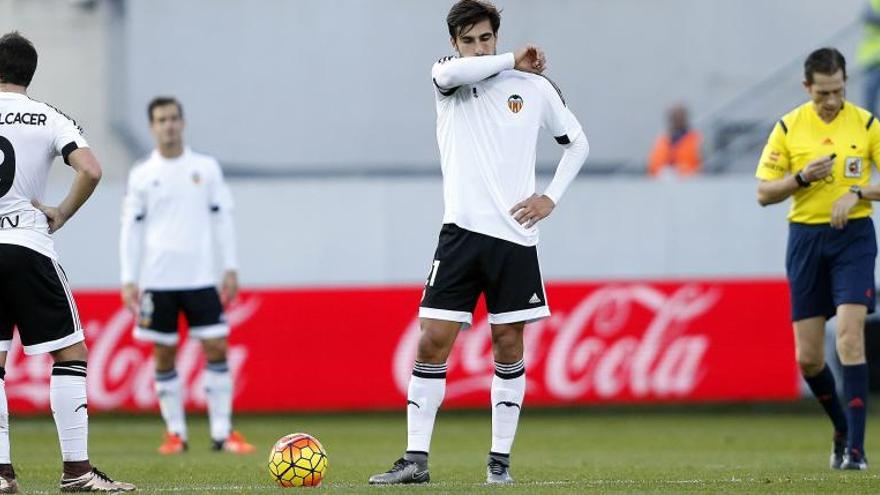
{"x": 801, "y": 136}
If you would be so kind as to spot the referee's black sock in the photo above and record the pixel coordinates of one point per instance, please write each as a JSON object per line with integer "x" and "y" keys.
{"x": 825, "y": 390}
{"x": 855, "y": 389}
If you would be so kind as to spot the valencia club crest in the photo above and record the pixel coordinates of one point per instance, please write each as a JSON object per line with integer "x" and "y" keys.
{"x": 515, "y": 103}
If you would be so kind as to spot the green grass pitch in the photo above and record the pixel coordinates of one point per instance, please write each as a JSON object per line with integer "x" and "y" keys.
{"x": 667, "y": 450}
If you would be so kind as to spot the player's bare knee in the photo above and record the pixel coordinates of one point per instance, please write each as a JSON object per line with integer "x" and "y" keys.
{"x": 434, "y": 346}
{"x": 507, "y": 343}
{"x": 164, "y": 357}
{"x": 507, "y": 348}
{"x": 432, "y": 350}
{"x": 851, "y": 345}
{"x": 75, "y": 352}
{"x": 436, "y": 339}
{"x": 214, "y": 349}
{"x": 810, "y": 358}
{"x": 507, "y": 356}
{"x": 810, "y": 366}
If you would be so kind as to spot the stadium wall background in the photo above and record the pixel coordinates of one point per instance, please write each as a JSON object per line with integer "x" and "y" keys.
{"x": 300, "y": 233}
{"x": 283, "y": 85}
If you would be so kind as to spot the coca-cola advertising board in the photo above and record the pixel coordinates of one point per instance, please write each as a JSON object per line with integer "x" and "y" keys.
{"x": 352, "y": 349}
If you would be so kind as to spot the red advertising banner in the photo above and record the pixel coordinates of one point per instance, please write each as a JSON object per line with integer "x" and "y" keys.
{"x": 340, "y": 349}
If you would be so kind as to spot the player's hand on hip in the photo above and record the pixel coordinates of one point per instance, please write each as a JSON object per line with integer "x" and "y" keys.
{"x": 54, "y": 216}
{"x": 840, "y": 210}
{"x": 230, "y": 287}
{"x": 131, "y": 296}
{"x": 531, "y": 210}
{"x": 818, "y": 169}
{"x": 530, "y": 58}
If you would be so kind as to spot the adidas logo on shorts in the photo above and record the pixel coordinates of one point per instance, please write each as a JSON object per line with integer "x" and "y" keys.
{"x": 535, "y": 299}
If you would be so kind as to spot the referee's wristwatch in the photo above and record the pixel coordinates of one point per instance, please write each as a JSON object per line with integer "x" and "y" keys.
{"x": 801, "y": 180}
{"x": 857, "y": 191}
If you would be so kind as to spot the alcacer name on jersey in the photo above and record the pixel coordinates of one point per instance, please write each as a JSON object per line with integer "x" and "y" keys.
{"x": 22, "y": 118}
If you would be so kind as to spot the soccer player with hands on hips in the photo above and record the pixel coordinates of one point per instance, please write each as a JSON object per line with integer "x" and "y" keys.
{"x": 35, "y": 294}
{"x": 490, "y": 108}
{"x": 176, "y": 209}
{"x": 821, "y": 153}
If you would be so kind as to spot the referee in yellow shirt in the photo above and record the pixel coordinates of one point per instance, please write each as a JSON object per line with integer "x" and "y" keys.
{"x": 820, "y": 153}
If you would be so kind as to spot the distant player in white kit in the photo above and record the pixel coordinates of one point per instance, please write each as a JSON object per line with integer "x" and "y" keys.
{"x": 176, "y": 209}
{"x": 489, "y": 111}
{"x": 35, "y": 295}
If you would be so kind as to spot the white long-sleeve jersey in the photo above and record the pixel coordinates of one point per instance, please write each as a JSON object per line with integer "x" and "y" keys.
{"x": 174, "y": 213}
{"x": 488, "y": 118}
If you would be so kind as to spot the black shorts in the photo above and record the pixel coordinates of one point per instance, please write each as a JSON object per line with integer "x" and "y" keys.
{"x": 467, "y": 263}
{"x": 35, "y": 297}
{"x": 160, "y": 311}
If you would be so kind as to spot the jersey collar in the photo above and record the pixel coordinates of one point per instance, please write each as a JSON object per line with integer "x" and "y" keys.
{"x": 155, "y": 155}
{"x": 837, "y": 118}
{"x": 10, "y": 94}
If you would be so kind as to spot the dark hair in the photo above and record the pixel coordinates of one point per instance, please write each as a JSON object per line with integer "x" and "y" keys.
{"x": 18, "y": 59}
{"x": 466, "y": 13}
{"x": 161, "y": 101}
{"x": 824, "y": 61}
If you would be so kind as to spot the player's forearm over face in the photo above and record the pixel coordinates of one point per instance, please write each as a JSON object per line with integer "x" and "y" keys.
{"x": 570, "y": 164}
{"x": 469, "y": 70}
{"x": 88, "y": 174}
{"x": 776, "y": 191}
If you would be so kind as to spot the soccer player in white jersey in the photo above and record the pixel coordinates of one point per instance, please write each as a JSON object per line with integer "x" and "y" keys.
{"x": 176, "y": 208}
{"x": 489, "y": 111}
{"x": 35, "y": 295}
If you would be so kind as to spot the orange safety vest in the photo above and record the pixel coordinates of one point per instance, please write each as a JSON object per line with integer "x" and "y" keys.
{"x": 684, "y": 155}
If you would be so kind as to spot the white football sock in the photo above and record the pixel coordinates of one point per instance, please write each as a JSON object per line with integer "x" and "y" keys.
{"x": 67, "y": 397}
{"x": 4, "y": 420}
{"x": 508, "y": 389}
{"x": 170, "y": 395}
{"x": 424, "y": 396}
{"x": 218, "y": 393}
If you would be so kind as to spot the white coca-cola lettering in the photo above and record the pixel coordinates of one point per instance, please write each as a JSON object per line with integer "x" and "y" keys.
{"x": 121, "y": 370}
{"x": 595, "y": 350}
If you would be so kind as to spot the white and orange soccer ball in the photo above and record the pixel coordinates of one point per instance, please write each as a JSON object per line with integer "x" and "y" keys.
{"x": 298, "y": 459}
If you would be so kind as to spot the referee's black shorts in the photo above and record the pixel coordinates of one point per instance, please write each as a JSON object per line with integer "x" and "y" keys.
{"x": 828, "y": 267}
{"x": 35, "y": 297}
{"x": 467, "y": 264}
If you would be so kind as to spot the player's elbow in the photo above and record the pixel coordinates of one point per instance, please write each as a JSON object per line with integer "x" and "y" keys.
{"x": 764, "y": 196}
{"x": 443, "y": 79}
{"x": 93, "y": 173}
{"x": 764, "y": 199}
{"x": 85, "y": 164}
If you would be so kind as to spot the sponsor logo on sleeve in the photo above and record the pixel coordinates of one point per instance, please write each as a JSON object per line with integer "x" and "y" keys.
{"x": 773, "y": 166}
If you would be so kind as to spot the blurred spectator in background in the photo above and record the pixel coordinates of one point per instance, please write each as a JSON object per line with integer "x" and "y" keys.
{"x": 869, "y": 54}
{"x": 676, "y": 151}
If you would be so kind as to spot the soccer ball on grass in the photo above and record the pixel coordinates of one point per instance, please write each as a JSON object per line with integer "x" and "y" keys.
{"x": 297, "y": 459}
